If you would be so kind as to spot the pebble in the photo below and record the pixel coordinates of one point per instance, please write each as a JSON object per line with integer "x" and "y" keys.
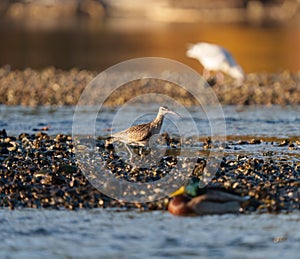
{"x": 41, "y": 171}
{"x": 51, "y": 86}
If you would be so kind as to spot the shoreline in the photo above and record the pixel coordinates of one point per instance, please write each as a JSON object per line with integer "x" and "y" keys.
{"x": 52, "y": 87}
{"x": 40, "y": 171}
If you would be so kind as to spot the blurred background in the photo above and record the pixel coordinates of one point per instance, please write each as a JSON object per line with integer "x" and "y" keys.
{"x": 263, "y": 36}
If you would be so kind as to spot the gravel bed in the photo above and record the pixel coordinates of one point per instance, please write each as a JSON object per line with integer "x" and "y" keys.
{"x": 52, "y": 86}
{"x": 41, "y": 171}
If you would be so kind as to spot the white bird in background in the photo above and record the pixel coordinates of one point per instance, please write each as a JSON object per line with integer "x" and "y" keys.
{"x": 215, "y": 58}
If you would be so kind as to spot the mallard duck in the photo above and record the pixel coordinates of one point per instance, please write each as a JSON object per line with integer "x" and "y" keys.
{"x": 192, "y": 200}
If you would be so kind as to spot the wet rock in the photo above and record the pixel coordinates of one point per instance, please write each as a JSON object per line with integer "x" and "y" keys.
{"x": 284, "y": 143}
{"x": 41, "y": 171}
{"x": 52, "y": 86}
{"x": 255, "y": 141}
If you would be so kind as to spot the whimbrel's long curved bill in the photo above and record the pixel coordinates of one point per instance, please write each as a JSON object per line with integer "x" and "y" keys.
{"x": 175, "y": 113}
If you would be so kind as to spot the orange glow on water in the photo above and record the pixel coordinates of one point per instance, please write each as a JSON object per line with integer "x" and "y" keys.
{"x": 257, "y": 49}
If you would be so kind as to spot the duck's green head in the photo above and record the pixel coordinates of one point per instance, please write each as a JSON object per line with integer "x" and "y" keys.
{"x": 193, "y": 188}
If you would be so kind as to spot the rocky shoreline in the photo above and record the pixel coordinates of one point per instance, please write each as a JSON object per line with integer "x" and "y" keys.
{"x": 52, "y": 86}
{"x": 41, "y": 171}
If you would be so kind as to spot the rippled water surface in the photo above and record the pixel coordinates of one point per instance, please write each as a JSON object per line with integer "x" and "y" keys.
{"x": 31, "y": 233}
{"x": 257, "y": 121}
{"x": 108, "y": 234}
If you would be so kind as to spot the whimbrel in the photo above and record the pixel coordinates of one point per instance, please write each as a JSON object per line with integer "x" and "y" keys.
{"x": 215, "y": 58}
{"x": 141, "y": 134}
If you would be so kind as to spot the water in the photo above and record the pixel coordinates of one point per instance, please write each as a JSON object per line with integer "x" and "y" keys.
{"x": 267, "y": 121}
{"x": 108, "y": 234}
{"x": 30, "y": 233}
{"x": 257, "y": 49}
{"x": 37, "y": 233}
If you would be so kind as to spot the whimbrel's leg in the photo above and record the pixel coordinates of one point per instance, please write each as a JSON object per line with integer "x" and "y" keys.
{"x": 129, "y": 151}
{"x": 131, "y": 162}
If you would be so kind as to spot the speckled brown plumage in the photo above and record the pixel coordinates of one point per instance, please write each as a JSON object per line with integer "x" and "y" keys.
{"x": 141, "y": 134}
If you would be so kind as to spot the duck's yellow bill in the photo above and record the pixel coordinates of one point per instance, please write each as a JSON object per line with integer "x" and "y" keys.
{"x": 180, "y": 191}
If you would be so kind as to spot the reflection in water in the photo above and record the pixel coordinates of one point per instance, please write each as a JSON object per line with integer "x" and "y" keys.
{"x": 257, "y": 49}
{"x": 282, "y": 122}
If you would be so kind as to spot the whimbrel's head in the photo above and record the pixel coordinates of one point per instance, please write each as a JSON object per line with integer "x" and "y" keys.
{"x": 163, "y": 110}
